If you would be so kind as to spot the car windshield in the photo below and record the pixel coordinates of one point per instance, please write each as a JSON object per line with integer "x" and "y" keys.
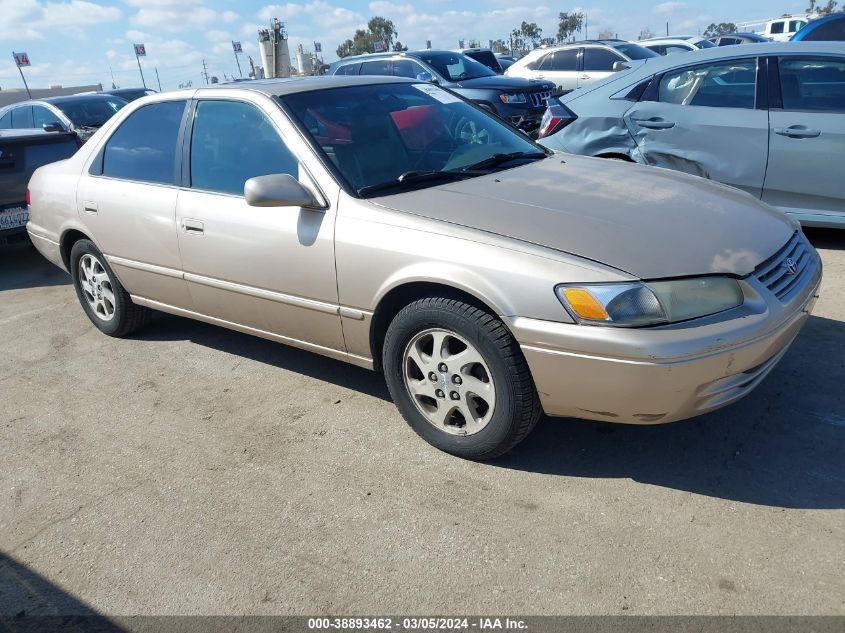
{"x": 388, "y": 138}
{"x": 456, "y": 66}
{"x": 91, "y": 112}
{"x": 635, "y": 51}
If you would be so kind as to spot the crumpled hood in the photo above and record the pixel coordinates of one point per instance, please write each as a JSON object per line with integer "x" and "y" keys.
{"x": 646, "y": 221}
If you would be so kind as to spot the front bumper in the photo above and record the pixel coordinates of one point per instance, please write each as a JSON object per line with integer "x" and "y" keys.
{"x": 657, "y": 375}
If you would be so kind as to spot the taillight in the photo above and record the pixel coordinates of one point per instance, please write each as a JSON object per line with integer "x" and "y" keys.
{"x": 28, "y": 198}
{"x": 555, "y": 118}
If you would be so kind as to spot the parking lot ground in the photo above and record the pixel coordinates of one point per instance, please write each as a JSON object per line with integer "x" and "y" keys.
{"x": 194, "y": 470}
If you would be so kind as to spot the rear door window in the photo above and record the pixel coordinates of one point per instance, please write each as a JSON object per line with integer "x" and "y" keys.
{"x": 777, "y": 28}
{"x": 232, "y": 142}
{"x": 22, "y": 118}
{"x": 600, "y": 59}
{"x": 562, "y": 61}
{"x": 143, "y": 148}
{"x": 812, "y": 84}
{"x": 727, "y": 84}
{"x": 6, "y": 121}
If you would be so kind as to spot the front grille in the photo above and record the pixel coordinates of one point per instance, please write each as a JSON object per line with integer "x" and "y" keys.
{"x": 783, "y": 279}
{"x": 538, "y": 99}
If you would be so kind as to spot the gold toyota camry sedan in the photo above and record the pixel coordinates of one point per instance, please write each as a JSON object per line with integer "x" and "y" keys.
{"x": 394, "y": 225}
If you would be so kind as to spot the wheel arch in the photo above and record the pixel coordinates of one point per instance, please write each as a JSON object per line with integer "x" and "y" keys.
{"x": 405, "y": 293}
{"x": 70, "y": 237}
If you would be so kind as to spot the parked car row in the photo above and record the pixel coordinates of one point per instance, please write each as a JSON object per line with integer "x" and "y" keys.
{"x": 520, "y": 102}
{"x": 767, "y": 119}
{"x": 490, "y": 278}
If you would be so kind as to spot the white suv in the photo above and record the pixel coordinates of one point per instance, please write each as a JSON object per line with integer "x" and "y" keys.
{"x": 576, "y": 65}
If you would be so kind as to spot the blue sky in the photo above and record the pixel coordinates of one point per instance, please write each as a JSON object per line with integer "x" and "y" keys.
{"x": 76, "y": 42}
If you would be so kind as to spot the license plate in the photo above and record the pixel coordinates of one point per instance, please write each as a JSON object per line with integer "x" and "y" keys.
{"x": 13, "y": 216}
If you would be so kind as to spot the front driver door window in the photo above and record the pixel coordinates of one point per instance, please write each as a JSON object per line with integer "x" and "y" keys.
{"x": 705, "y": 123}
{"x": 270, "y": 269}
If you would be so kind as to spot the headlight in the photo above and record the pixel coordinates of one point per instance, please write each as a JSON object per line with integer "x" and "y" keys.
{"x": 649, "y": 303}
{"x": 517, "y": 98}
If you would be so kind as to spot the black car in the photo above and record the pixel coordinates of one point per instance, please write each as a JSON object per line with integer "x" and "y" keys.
{"x": 520, "y": 102}
{"x": 130, "y": 94}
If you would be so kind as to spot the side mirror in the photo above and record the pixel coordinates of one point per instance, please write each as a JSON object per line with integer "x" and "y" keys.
{"x": 278, "y": 190}
{"x": 617, "y": 66}
{"x": 53, "y": 126}
{"x": 427, "y": 77}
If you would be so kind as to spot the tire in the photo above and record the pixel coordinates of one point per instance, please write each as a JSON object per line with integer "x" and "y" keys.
{"x": 102, "y": 297}
{"x": 479, "y": 427}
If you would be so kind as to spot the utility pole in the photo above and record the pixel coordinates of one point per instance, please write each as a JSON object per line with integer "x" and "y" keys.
{"x": 111, "y": 72}
{"x": 667, "y": 28}
{"x": 157, "y": 79}
{"x": 205, "y": 72}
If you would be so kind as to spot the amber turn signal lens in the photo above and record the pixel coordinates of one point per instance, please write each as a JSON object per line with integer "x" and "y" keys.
{"x": 584, "y": 304}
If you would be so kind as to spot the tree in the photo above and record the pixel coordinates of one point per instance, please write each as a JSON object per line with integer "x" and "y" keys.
{"x": 825, "y": 9}
{"x": 474, "y": 44}
{"x": 645, "y": 34}
{"x": 720, "y": 29}
{"x": 500, "y": 46}
{"x": 568, "y": 24}
{"x": 380, "y": 34}
{"x": 607, "y": 34}
{"x": 527, "y": 37}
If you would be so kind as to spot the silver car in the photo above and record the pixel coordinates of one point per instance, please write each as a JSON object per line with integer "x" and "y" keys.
{"x": 81, "y": 114}
{"x": 489, "y": 279}
{"x": 768, "y": 119}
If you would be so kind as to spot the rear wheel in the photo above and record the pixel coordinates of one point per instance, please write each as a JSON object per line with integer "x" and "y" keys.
{"x": 459, "y": 378}
{"x": 104, "y": 300}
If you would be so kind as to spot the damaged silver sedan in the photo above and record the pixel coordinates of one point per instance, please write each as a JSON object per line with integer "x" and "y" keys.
{"x": 767, "y": 119}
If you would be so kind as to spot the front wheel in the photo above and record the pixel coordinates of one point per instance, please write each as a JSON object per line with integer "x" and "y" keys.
{"x": 104, "y": 300}
{"x": 459, "y": 378}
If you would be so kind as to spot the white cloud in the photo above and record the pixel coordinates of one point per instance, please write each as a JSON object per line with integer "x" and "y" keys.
{"x": 669, "y": 7}
{"x": 33, "y": 20}
{"x": 176, "y": 15}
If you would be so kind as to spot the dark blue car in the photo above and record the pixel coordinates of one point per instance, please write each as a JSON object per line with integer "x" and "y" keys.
{"x": 830, "y": 28}
{"x": 520, "y": 102}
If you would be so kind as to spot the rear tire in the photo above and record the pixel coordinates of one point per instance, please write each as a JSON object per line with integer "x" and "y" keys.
{"x": 459, "y": 378}
{"x": 104, "y": 300}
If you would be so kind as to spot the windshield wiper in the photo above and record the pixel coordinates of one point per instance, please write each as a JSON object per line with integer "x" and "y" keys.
{"x": 410, "y": 178}
{"x": 500, "y": 159}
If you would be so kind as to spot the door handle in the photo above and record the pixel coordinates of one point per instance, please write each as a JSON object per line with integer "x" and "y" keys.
{"x": 540, "y": 76}
{"x": 193, "y": 227}
{"x": 654, "y": 123}
{"x": 797, "y": 131}
{"x": 586, "y": 76}
{"x": 89, "y": 207}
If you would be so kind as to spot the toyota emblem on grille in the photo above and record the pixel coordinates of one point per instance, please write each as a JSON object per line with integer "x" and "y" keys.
{"x": 790, "y": 265}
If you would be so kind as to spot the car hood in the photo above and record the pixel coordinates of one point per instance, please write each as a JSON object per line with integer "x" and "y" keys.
{"x": 502, "y": 82}
{"x": 646, "y": 221}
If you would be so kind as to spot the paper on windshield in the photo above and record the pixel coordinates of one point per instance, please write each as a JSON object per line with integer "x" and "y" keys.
{"x": 437, "y": 93}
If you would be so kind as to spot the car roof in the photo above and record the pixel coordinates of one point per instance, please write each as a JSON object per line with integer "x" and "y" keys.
{"x": 667, "y": 40}
{"x": 428, "y": 51}
{"x": 292, "y": 85}
{"x": 74, "y": 98}
{"x": 654, "y": 65}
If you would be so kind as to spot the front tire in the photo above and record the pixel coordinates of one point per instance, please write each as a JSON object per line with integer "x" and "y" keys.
{"x": 104, "y": 300}
{"x": 459, "y": 378}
